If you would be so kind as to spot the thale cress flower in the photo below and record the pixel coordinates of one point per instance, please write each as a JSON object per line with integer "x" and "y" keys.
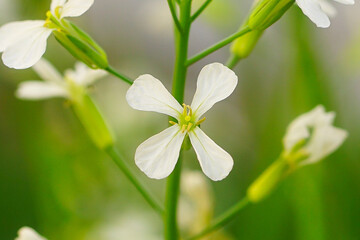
{"x": 73, "y": 86}
{"x": 309, "y": 138}
{"x": 23, "y": 43}
{"x": 158, "y": 155}
{"x": 27, "y": 233}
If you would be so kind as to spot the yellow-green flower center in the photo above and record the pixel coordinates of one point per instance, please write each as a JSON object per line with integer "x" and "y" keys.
{"x": 188, "y": 120}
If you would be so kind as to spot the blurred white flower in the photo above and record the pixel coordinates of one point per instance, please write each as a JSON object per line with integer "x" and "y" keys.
{"x": 313, "y": 136}
{"x": 55, "y": 85}
{"x": 26, "y": 233}
{"x": 158, "y": 155}
{"x": 319, "y": 10}
{"x": 23, "y": 43}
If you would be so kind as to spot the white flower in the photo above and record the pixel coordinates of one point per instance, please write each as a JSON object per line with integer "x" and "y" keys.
{"x": 23, "y": 43}
{"x": 314, "y": 134}
{"x": 55, "y": 85}
{"x": 26, "y": 233}
{"x": 158, "y": 155}
{"x": 319, "y": 10}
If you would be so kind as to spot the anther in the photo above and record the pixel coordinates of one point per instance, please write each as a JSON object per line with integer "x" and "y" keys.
{"x": 200, "y": 121}
{"x": 185, "y": 109}
{"x": 172, "y": 122}
{"x": 183, "y": 128}
{"x": 189, "y": 127}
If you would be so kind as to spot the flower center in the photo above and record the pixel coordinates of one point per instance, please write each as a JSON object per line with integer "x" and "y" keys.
{"x": 53, "y": 21}
{"x": 187, "y": 120}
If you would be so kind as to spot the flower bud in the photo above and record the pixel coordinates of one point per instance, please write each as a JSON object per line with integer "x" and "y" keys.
{"x": 267, "y": 12}
{"x": 92, "y": 120}
{"x": 81, "y": 46}
{"x": 244, "y": 45}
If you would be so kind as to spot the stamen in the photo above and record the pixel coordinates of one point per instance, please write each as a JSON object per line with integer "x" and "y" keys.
{"x": 189, "y": 127}
{"x": 190, "y": 110}
{"x": 185, "y": 109}
{"x": 172, "y": 122}
{"x": 183, "y": 128}
{"x": 58, "y": 10}
{"x": 200, "y": 121}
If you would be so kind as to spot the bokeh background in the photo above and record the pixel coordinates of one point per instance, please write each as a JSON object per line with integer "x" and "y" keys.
{"x": 53, "y": 178}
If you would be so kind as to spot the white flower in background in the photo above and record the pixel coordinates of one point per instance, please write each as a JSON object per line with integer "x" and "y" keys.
{"x": 55, "y": 85}
{"x": 26, "y": 233}
{"x": 314, "y": 135}
{"x": 158, "y": 155}
{"x": 23, "y": 43}
{"x": 319, "y": 10}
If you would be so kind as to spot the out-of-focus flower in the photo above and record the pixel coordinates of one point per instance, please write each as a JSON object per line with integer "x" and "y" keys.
{"x": 26, "y": 233}
{"x": 309, "y": 138}
{"x": 23, "y": 43}
{"x": 158, "y": 155}
{"x": 54, "y": 85}
{"x": 319, "y": 10}
{"x": 73, "y": 86}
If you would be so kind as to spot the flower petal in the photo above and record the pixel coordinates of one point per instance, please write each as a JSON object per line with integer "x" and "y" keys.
{"x": 149, "y": 94}
{"x": 37, "y": 90}
{"x": 26, "y": 233}
{"x": 328, "y": 8}
{"x": 324, "y": 142}
{"x": 55, "y": 4}
{"x": 215, "y": 162}
{"x": 158, "y": 155}
{"x": 215, "y": 83}
{"x": 15, "y": 31}
{"x": 27, "y": 50}
{"x": 346, "y": 2}
{"x": 83, "y": 75}
{"x": 48, "y": 72}
{"x": 75, "y": 8}
{"x": 312, "y": 10}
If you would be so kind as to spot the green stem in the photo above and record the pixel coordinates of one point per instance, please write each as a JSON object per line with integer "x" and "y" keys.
{"x": 174, "y": 15}
{"x": 112, "y": 71}
{"x": 233, "y": 60}
{"x": 180, "y": 71}
{"x": 200, "y": 10}
{"x": 223, "y": 219}
{"x": 119, "y": 161}
{"x": 218, "y": 45}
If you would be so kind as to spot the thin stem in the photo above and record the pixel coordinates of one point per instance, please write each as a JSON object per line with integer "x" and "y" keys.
{"x": 223, "y": 219}
{"x": 174, "y": 15}
{"x": 119, "y": 161}
{"x": 180, "y": 71}
{"x": 112, "y": 71}
{"x": 218, "y": 45}
{"x": 200, "y": 10}
{"x": 233, "y": 60}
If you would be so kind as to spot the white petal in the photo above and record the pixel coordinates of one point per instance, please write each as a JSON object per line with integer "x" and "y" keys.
{"x": 26, "y": 233}
{"x": 346, "y": 2}
{"x": 324, "y": 142}
{"x": 15, "y": 31}
{"x": 215, "y": 162}
{"x": 75, "y": 8}
{"x": 328, "y": 8}
{"x": 149, "y": 94}
{"x": 312, "y": 10}
{"x": 48, "y": 72}
{"x": 158, "y": 155}
{"x": 83, "y": 75}
{"x": 215, "y": 83}
{"x": 299, "y": 128}
{"x": 55, "y": 4}
{"x": 37, "y": 90}
{"x": 28, "y": 50}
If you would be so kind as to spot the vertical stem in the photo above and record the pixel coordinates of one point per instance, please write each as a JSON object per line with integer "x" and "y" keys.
{"x": 180, "y": 70}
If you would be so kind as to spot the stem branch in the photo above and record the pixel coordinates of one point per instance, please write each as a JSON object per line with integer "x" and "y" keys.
{"x": 200, "y": 10}
{"x": 112, "y": 71}
{"x": 174, "y": 15}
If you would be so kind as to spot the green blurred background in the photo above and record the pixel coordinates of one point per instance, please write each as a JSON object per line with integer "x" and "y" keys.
{"x": 53, "y": 178}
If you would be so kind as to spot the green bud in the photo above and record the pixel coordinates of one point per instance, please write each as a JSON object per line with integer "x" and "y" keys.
{"x": 81, "y": 45}
{"x": 268, "y": 180}
{"x": 267, "y": 12}
{"x": 92, "y": 120}
{"x": 244, "y": 45}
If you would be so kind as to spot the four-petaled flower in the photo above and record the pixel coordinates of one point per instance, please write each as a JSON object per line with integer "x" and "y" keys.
{"x": 23, "y": 43}
{"x": 312, "y": 136}
{"x": 158, "y": 155}
{"x": 319, "y": 10}
{"x": 27, "y": 233}
{"x": 70, "y": 86}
